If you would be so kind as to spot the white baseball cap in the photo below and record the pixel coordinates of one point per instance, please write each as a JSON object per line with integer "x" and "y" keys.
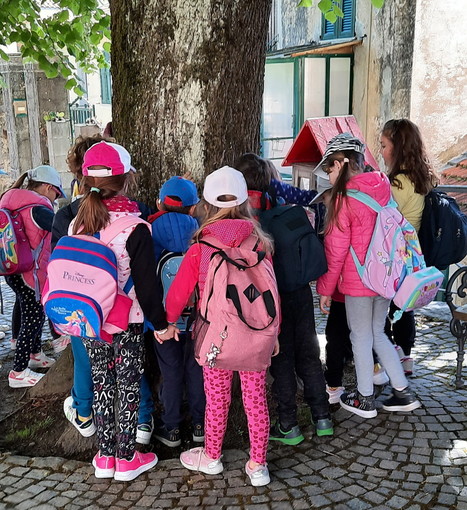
{"x": 48, "y": 175}
{"x": 225, "y": 181}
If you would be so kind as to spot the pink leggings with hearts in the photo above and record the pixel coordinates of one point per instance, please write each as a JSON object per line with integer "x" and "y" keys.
{"x": 218, "y": 389}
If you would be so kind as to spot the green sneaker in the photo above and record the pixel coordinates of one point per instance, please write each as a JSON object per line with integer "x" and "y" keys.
{"x": 291, "y": 437}
{"x": 324, "y": 427}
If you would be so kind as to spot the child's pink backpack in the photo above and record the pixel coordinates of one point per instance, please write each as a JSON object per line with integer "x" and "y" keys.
{"x": 394, "y": 266}
{"x": 16, "y": 256}
{"x": 239, "y": 315}
{"x": 81, "y": 296}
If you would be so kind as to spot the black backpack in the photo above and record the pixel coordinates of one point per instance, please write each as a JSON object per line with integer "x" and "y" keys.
{"x": 298, "y": 253}
{"x": 443, "y": 231}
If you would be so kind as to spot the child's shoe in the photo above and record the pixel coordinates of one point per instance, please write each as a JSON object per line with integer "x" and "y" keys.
{"x": 358, "y": 404}
{"x": 198, "y": 433}
{"x": 291, "y": 437}
{"x": 402, "y": 400}
{"x": 23, "y": 379}
{"x": 407, "y": 365}
{"x": 334, "y": 393}
{"x": 144, "y": 432}
{"x": 60, "y": 344}
{"x": 85, "y": 428}
{"x": 168, "y": 437}
{"x": 104, "y": 466}
{"x": 323, "y": 426}
{"x": 380, "y": 376}
{"x": 197, "y": 460}
{"x": 127, "y": 470}
{"x": 40, "y": 360}
{"x": 259, "y": 475}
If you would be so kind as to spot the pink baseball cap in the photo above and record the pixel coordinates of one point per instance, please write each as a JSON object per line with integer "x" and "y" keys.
{"x": 114, "y": 157}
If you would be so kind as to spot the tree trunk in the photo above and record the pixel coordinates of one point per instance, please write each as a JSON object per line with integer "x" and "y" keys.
{"x": 187, "y": 84}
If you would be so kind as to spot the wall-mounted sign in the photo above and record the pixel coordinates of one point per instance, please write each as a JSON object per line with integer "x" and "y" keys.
{"x": 20, "y": 107}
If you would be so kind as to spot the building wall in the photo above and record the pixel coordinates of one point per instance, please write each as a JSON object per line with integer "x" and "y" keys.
{"x": 383, "y": 65}
{"x": 439, "y": 84}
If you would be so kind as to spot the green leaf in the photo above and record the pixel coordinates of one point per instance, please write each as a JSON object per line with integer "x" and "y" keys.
{"x": 378, "y": 3}
{"x": 78, "y": 91}
{"x": 62, "y": 16}
{"x": 338, "y": 11}
{"x": 71, "y": 83}
{"x": 305, "y": 3}
{"x": 107, "y": 47}
{"x": 331, "y": 16}
{"x": 3, "y": 55}
{"x": 325, "y": 5}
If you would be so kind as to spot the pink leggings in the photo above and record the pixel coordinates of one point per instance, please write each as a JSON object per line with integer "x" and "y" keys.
{"x": 218, "y": 389}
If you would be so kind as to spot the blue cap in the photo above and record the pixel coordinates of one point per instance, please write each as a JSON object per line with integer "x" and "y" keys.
{"x": 184, "y": 190}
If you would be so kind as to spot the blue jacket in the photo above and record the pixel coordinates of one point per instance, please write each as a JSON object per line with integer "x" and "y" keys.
{"x": 172, "y": 232}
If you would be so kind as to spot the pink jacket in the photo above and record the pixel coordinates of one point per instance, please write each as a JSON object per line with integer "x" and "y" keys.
{"x": 194, "y": 267}
{"x": 356, "y": 222}
{"x": 16, "y": 198}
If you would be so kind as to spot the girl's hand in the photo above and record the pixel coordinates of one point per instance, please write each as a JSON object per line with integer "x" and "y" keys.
{"x": 277, "y": 348}
{"x": 325, "y": 304}
{"x": 172, "y": 332}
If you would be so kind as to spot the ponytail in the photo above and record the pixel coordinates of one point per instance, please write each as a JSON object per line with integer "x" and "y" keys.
{"x": 19, "y": 183}
{"x": 93, "y": 215}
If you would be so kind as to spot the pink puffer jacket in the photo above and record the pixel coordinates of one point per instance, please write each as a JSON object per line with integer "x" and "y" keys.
{"x": 356, "y": 222}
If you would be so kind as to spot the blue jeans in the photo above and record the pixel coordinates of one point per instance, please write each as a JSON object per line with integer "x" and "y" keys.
{"x": 82, "y": 391}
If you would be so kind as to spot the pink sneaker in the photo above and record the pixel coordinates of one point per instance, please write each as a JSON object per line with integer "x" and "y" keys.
{"x": 40, "y": 360}
{"x": 61, "y": 343}
{"x": 127, "y": 470}
{"x": 197, "y": 460}
{"x": 23, "y": 379}
{"x": 104, "y": 466}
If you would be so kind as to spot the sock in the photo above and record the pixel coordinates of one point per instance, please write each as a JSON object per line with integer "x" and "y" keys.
{"x": 81, "y": 419}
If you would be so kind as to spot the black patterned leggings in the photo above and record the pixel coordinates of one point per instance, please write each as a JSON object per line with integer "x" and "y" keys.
{"x": 31, "y": 319}
{"x": 116, "y": 373}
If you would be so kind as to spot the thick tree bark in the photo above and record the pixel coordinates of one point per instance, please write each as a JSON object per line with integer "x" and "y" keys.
{"x": 187, "y": 83}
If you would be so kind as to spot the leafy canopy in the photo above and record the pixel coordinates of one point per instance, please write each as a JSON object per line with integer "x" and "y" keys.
{"x": 332, "y": 8}
{"x": 77, "y": 28}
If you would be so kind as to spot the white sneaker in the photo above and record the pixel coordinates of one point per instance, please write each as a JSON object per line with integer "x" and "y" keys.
{"x": 334, "y": 393}
{"x": 259, "y": 475}
{"x": 23, "y": 379}
{"x": 60, "y": 344}
{"x": 380, "y": 376}
{"x": 85, "y": 428}
{"x": 40, "y": 360}
{"x": 144, "y": 432}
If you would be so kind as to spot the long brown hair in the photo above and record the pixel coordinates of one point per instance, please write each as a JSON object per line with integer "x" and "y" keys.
{"x": 355, "y": 165}
{"x": 19, "y": 183}
{"x": 409, "y": 156}
{"x": 93, "y": 215}
{"x": 211, "y": 214}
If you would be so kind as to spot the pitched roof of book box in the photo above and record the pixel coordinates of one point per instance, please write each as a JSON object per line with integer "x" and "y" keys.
{"x": 311, "y": 141}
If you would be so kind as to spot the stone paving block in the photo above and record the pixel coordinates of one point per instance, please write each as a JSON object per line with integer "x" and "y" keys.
{"x": 59, "y": 502}
{"x": 40, "y": 474}
{"x": 283, "y": 505}
{"x": 46, "y": 495}
{"x": 17, "y": 460}
{"x": 22, "y": 483}
{"x": 51, "y": 463}
{"x": 35, "y": 489}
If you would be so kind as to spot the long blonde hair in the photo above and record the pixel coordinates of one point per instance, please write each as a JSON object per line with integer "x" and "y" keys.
{"x": 210, "y": 214}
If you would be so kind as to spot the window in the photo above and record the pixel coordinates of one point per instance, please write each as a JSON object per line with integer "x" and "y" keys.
{"x": 343, "y": 27}
{"x": 106, "y": 82}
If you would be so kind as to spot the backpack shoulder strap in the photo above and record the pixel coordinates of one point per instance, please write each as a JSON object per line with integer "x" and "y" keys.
{"x": 110, "y": 232}
{"x": 366, "y": 199}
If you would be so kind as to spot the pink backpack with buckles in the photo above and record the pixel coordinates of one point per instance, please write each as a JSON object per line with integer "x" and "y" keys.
{"x": 239, "y": 314}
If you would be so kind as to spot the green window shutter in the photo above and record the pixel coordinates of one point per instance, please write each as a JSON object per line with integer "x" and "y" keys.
{"x": 106, "y": 82}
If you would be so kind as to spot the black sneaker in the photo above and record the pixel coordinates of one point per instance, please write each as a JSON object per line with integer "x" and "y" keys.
{"x": 198, "y": 433}
{"x": 168, "y": 437}
{"x": 291, "y": 437}
{"x": 356, "y": 403}
{"x": 402, "y": 400}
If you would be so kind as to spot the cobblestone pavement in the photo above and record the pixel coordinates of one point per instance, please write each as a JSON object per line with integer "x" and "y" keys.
{"x": 394, "y": 461}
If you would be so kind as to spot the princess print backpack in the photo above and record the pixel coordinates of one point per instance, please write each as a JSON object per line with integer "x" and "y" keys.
{"x": 394, "y": 266}
{"x": 239, "y": 314}
{"x": 81, "y": 296}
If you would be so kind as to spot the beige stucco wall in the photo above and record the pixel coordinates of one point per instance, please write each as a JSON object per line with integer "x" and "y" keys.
{"x": 439, "y": 82}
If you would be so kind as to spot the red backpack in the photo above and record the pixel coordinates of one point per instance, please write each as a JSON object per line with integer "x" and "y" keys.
{"x": 239, "y": 314}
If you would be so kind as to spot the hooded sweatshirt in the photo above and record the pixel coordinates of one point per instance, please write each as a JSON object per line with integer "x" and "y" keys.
{"x": 194, "y": 267}
{"x": 354, "y": 227}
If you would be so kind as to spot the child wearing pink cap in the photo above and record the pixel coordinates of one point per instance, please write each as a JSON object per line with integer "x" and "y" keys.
{"x": 116, "y": 368}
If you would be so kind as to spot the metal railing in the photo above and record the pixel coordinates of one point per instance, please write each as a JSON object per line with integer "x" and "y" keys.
{"x": 81, "y": 112}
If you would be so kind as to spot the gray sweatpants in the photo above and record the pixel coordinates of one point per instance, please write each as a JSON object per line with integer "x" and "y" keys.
{"x": 366, "y": 317}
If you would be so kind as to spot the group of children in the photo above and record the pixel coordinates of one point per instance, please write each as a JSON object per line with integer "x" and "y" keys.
{"x": 227, "y": 216}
